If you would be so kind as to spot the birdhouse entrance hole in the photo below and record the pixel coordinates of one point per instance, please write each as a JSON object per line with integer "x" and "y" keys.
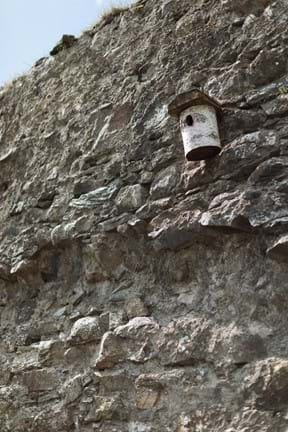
{"x": 189, "y": 120}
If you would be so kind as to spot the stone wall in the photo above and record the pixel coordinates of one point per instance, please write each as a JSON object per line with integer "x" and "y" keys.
{"x": 138, "y": 292}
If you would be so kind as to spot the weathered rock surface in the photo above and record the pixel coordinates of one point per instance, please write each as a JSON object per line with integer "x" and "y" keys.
{"x": 138, "y": 292}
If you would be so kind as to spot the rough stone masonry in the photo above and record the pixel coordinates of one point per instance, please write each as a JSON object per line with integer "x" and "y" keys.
{"x": 140, "y": 292}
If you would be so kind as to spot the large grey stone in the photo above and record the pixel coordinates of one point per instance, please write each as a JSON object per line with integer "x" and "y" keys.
{"x": 164, "y": 182}
{"x": 84, "y": 330}
{"x": 131, "y": 197}
{"x": 95, "y": 198}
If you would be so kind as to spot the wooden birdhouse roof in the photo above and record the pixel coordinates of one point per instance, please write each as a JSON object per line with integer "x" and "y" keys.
{"x": 191, "y": 98}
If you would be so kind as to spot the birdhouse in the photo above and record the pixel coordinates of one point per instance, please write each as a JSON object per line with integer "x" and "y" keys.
{"x": 198, "y": 115}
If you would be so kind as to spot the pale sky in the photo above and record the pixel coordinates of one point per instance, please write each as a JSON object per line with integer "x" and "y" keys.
{"x": 30, "y": 28}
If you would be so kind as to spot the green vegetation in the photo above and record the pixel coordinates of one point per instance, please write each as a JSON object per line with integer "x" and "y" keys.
{"x": 108, "y": 16}
{"x": 114, "y": 9}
